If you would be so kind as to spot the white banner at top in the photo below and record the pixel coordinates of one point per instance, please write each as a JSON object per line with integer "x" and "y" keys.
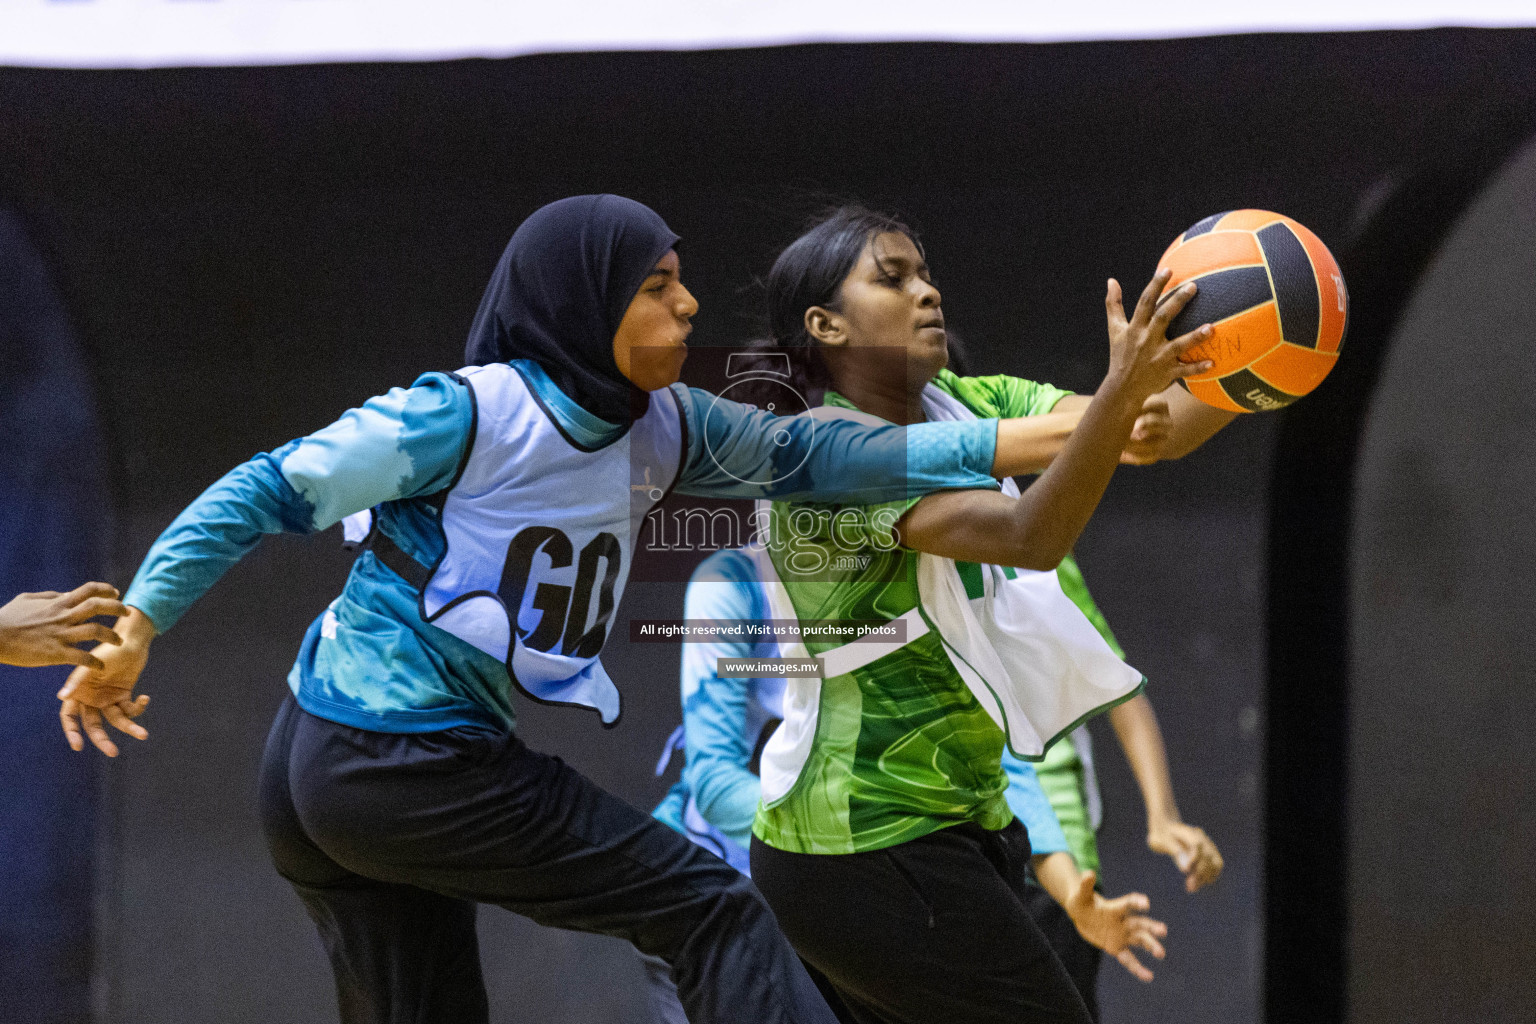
{"x": 179, "y": 33}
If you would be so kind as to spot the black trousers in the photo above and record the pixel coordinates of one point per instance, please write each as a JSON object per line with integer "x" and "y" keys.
{"x": 390, "y": 840}
{"x": 665, "y": 1008}
{"x": 926, "y": 932}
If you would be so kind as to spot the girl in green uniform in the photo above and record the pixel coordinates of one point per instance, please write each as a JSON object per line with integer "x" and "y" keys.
{"x": 884, "y": 843}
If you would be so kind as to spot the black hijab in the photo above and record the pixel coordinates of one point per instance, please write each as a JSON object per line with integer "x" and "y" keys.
{"x": 560, "y": 291}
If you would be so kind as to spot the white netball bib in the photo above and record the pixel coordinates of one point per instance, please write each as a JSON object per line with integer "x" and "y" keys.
{"x": 1024, "y": 648}
{"x": 800, "y": 702}
{"x": 541, "y": 533}
{"x": 1025, "y": 651}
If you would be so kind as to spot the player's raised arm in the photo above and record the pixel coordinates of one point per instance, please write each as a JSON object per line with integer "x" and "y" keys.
{"x": 739, "y": 451}
{"x": 1038, "y": 530}
{"x": 742, "y": 452}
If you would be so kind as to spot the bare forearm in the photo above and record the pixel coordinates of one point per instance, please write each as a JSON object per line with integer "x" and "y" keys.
{"x": 1193, "y": 852}
{"x": 1037, "y": 530}
{"x": 1027, "y": 446}
{"x": 1135, "y": 725}
{"x": 136, "y": 628}
{"x": 1191, "y": 422}
{"x": 1058, "y": 875}
{"x": 1054, "y": 509}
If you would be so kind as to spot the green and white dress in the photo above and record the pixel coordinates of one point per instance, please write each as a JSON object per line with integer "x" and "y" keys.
{"x": 897, "y": 746}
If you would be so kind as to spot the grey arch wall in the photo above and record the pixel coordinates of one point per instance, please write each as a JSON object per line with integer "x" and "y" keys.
{"x": 1442, "y": 759}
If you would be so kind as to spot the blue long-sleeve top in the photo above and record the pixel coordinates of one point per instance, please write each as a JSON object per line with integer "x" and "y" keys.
{"x": 370, "y": 660}
{"x": 722, "y": 718}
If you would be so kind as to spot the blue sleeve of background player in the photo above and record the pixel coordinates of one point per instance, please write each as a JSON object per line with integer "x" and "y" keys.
{"x": 1028, "y": 801}
{"x": 403, "y": 444}
{"x": 715, "y": 709}
{"x": 737, "y": 451}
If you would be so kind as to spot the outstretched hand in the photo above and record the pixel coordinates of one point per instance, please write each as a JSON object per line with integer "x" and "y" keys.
{"x": 42, "y": 629}
{"x": 1192, "y": 851}
{"x": 1141, "y": 356}
{"x": 1117, "y": 925}
{"x": 75, "y": 715}
{"x": 93, "y": 694}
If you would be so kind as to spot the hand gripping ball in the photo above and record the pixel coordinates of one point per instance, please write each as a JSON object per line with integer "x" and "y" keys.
{"x": 1273, "y": 293}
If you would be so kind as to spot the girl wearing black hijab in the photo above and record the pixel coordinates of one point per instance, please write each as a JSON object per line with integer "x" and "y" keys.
{"x": 506, "y": 498}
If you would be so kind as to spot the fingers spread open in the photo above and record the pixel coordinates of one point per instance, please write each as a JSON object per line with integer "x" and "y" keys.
{"x": 1144, "y": 938}
{"x": 123, "y": 722}
{"x": 68, "y": 712}
{"x": 90, "y": 719}
{"x": 1174, "y": 303}
{"x": 94, "y": 606}
{"x": 1132, "y": 902}
{"x": 1114, "y": 306}
{"x": 88, "y": 590}
{"x": 1147, "y": 305}
{"x": 1130, "y": 963}
{"x": 77, "y": 656}
{"x": 1184, "y": 342}
{"x": 92, "y": 631}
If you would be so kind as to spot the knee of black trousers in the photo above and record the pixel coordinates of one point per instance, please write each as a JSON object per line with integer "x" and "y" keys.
{"x": 738, "y": 906}
{"x": 722, "y": 906}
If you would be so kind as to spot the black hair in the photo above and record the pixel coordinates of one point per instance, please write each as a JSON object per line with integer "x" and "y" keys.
{"x": 959, "y": 355}
{"x": 810, "y": 272}
{"x": 765, "y": 362}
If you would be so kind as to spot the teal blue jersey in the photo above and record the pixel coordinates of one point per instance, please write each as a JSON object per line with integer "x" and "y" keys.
{"x": 385, "y": 668}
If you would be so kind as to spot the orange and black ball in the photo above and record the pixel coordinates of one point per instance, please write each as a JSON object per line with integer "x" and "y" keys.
{"x": 1276, "y": 298}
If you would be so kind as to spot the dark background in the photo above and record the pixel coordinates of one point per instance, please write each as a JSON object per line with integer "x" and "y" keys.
{"x": 54, "y": 527}
{"x": 247, "y": 252}
{"x": 1442, "y": 605}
